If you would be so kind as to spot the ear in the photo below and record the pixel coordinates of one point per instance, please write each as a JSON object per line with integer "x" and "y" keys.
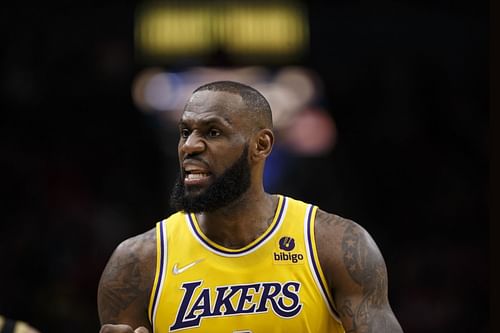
{"x": 262, "y": 144}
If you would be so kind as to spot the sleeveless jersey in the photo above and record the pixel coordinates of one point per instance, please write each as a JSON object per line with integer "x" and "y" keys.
{"x": 274, "y": 284}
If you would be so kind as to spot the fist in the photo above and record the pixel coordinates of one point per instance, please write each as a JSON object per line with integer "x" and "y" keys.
{"x": 108, "y": 328}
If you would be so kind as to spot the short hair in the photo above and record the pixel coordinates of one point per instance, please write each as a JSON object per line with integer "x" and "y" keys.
{"x": 253, "y": 99}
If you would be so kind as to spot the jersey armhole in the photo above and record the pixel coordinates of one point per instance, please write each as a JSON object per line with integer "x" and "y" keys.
{"x": 316, "y": 269}
{"x": 161, "y": 256}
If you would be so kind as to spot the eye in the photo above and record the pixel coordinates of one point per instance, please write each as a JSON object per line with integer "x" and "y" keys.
{"x": 184, "y": 133}
{"x": 213, "y": 133}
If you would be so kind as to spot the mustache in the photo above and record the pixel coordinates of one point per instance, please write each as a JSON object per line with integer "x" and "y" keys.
{"x": 190, "y": 158}
{"x": 193, "y": 158}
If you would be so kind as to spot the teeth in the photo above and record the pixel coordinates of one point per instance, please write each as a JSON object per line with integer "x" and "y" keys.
{"x": 193, "y": 176}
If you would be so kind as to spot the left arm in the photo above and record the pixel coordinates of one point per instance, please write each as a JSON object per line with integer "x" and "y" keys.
{"x": 357, "y": 275}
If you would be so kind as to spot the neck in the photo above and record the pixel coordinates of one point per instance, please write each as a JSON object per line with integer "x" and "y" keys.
{"x": 241, "y": 222}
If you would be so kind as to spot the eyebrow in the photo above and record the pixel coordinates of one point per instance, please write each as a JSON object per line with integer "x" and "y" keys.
{"x": 210, "y": 120}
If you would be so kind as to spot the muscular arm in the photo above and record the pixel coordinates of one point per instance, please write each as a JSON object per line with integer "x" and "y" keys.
{"x": 126, "y": 282}
{"x": 357, "y": 275}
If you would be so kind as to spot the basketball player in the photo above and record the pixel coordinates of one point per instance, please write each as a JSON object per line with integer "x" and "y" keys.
{"x": 235, "y": 258}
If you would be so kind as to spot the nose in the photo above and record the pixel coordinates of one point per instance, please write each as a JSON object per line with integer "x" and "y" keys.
{"x": 193, "y": 144}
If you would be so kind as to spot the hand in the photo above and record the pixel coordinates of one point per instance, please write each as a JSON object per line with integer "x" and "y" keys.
{"x": 22, "y": 327}
{"x": 19, "y": 326}
{"x": 108, "y": 328}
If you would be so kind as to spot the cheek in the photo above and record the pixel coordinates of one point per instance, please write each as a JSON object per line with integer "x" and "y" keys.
{"x": 219, "y": 167}
{"x": 223, "y": 160}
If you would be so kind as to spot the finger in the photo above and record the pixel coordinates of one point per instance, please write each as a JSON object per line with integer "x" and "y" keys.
{"x": 141, "y": 329}
{"x": 108, "y": 328}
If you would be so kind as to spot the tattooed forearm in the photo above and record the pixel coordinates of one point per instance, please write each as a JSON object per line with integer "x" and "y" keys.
{"x": 366, "y": 267}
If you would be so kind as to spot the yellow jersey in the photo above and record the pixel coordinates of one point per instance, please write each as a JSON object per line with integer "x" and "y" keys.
{"x": 274, "y": 284}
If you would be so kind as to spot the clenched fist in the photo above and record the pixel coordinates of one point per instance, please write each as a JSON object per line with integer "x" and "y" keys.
{"x": 108, "y": 328}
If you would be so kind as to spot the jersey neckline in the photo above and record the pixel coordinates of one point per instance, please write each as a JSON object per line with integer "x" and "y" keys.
{"x": 254, "y": 245}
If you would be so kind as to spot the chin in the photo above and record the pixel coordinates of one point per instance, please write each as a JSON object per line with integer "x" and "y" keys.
{"x": 193, "y": 191}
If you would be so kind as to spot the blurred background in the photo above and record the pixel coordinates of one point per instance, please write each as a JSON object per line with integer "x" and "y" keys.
{"x": 381, "y": 111}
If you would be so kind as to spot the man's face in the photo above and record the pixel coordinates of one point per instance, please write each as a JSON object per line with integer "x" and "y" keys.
{"x": 213, "y": 153}
{"x": 224, "y": 190}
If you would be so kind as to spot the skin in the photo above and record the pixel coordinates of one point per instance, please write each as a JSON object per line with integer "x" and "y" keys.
{"x": 214, "y": 130}
{"x": 20, "y": 326}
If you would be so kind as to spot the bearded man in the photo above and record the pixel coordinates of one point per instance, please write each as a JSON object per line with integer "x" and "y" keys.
{"x": 235, "y": 258}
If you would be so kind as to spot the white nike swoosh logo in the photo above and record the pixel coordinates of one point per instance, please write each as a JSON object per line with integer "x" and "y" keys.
{"x": 178, "y": 270}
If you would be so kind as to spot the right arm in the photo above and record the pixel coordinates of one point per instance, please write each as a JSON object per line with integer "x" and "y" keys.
{"x": 125, "y": 285}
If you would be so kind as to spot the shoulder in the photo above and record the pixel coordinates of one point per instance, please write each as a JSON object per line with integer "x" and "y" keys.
{"x": 332, "y": 231}
{"x": 341, "y": 230}
{"x": 335, "y": 225}
{"x": 141, "y": 247}
{"x": 135, "y": 255}
{"x": 128, "y": 277}
{"x": 344, "y": 246}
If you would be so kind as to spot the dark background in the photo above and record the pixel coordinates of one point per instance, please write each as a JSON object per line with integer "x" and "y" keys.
{"x": 83, "y": 169}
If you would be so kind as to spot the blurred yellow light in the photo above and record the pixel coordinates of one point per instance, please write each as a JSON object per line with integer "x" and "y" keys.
{"x": 265, "y": 29}
{"x": 171, "y": 29}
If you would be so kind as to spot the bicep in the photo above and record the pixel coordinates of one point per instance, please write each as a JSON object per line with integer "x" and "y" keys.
{"x": 124, "y": 288}
{"x": 356, "y": 274}
{"x": 361, "y": 291}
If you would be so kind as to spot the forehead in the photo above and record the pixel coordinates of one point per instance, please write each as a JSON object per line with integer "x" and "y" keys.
{"x": 214, "y": 104}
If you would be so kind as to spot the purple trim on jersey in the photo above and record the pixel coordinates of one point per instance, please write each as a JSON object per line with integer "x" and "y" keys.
{"x": 314, "y": 263}
{"x": 160, "y": 276}
{"x": 278, "y": 222}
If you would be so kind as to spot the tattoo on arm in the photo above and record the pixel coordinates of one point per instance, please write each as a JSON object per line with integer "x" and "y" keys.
{"x": 367, "y": 269}
{"x": 121, "y": 284}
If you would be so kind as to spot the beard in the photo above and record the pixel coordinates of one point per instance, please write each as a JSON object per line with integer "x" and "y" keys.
{"x": 225, "y": 189}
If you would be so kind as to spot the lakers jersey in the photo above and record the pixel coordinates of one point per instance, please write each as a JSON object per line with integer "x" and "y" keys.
{"x": 274, "y": 284}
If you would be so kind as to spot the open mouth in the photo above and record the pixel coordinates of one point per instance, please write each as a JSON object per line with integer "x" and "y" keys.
{"x": 195, "y": 177}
